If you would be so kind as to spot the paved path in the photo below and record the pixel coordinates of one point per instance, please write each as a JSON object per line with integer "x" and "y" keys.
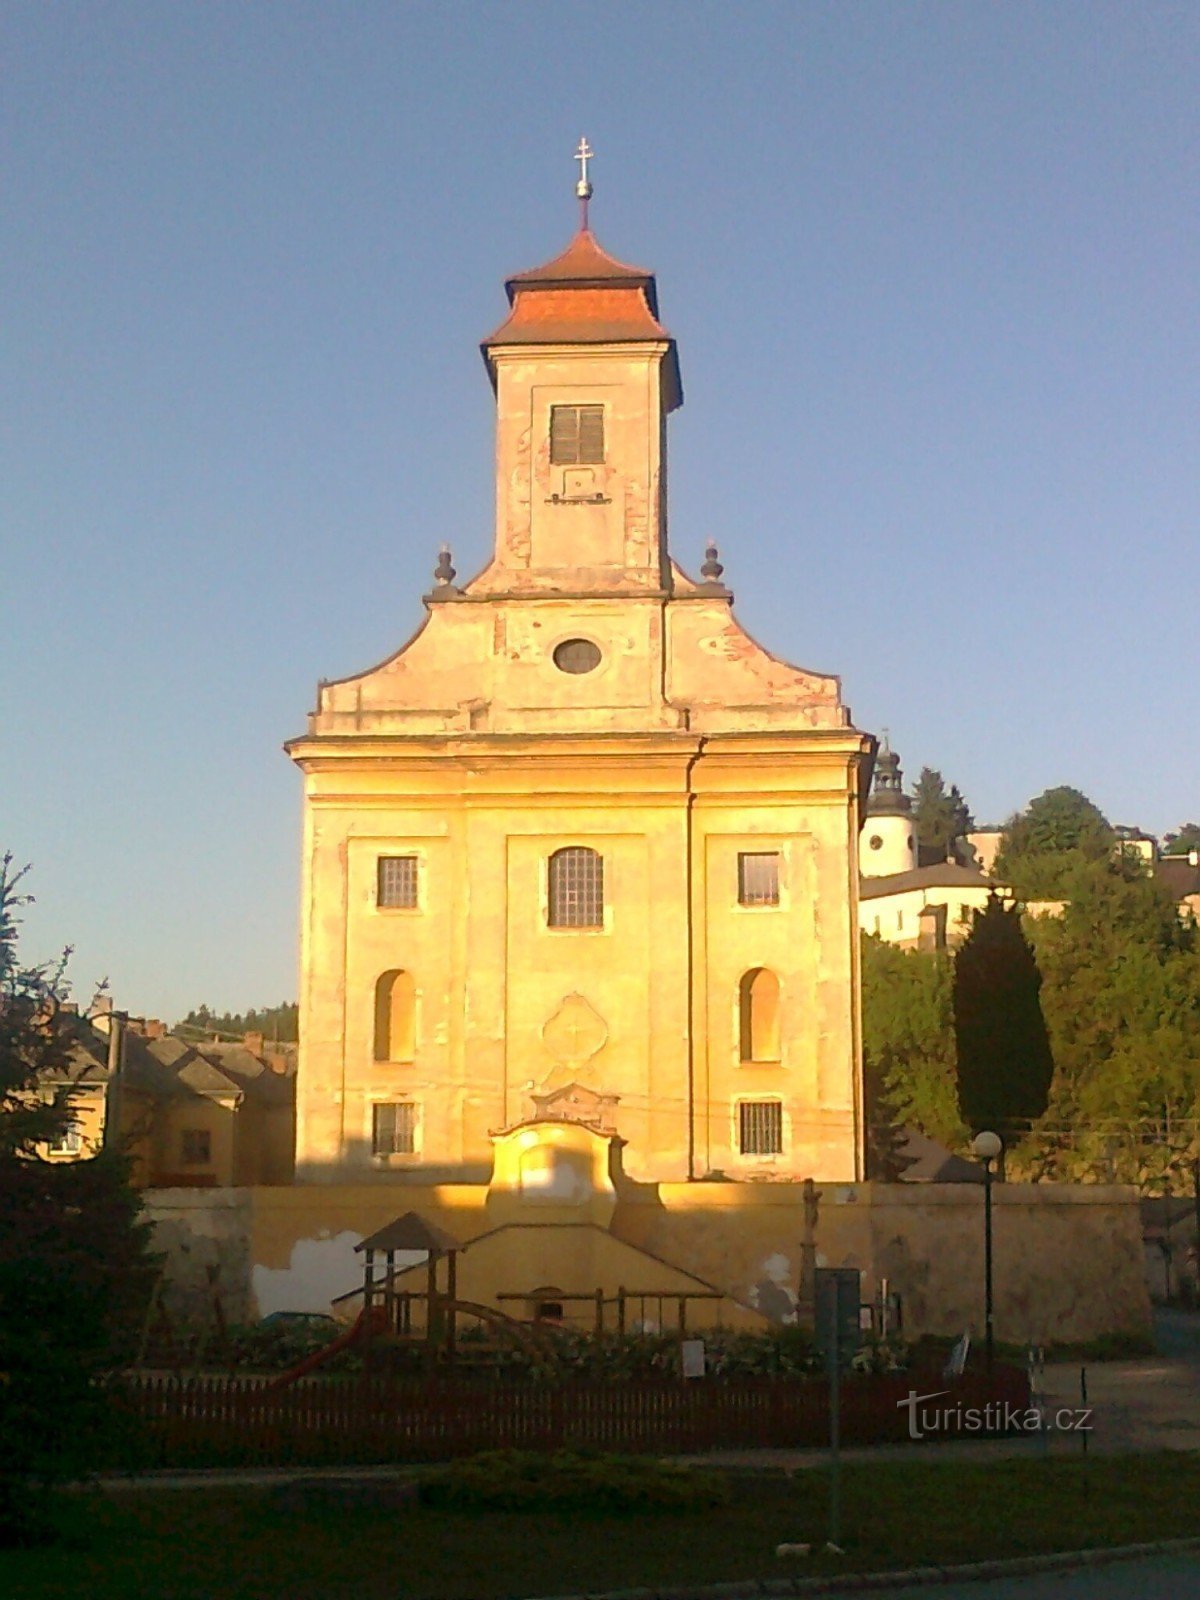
{"x": 1160, "y": 1578}
{"x": 1138, "y": 1407}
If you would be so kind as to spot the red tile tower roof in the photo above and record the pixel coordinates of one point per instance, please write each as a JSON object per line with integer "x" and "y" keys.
{"x": 586, "y": 296}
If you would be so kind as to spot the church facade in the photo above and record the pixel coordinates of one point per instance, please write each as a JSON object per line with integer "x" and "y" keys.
{"x": 581, "y": 850}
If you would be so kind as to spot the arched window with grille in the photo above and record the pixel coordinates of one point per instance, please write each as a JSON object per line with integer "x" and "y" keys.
{"x": 576, "y": 888}
{"x": 395, "y": 1017}
{"x": 758, "y": 1015}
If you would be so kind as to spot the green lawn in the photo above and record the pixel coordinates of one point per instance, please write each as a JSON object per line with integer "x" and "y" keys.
{"x": 223, "y": 1545}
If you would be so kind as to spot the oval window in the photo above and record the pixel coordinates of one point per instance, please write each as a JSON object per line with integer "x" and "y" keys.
{"x": 875, "y": 842}
{"x": 576, "y": 655}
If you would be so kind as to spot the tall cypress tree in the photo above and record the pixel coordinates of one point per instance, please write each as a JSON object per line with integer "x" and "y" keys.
{"x": 1005, "y": 1065}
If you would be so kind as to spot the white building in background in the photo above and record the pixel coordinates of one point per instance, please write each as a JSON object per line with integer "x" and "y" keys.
{"x": 900, "y": 900}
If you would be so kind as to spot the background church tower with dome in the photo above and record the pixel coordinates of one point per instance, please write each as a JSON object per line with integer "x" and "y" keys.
{"x": 581, "y": 850}
{"x": 888, "y": 843}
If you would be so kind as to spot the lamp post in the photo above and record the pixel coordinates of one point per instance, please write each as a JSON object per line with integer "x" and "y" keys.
{"x": 987, "y": 1146}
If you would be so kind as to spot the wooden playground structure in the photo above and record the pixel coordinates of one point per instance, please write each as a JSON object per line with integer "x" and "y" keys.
{"x": 430, "y": 1320}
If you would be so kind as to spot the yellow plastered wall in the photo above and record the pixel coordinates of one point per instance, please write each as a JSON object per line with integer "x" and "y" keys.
{"x": 1067, "y": 1259}
{"x": 658, "y": 980}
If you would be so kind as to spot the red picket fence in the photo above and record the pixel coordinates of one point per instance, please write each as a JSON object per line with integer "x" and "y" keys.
{"x": 363, "y": 1419}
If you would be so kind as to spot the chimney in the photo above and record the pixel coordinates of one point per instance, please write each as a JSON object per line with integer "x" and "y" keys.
{"x": 931, "y": 928}
{"x": 253, "y": 1042}
{"x": 154, "y": 1028}
{"x": 277, "y": 1061}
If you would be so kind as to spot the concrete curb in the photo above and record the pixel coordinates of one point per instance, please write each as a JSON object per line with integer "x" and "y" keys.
{"x": 904, "y": 1578}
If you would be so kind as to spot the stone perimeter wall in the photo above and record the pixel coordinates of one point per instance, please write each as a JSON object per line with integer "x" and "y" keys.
{"x": 1068, "y": 1260}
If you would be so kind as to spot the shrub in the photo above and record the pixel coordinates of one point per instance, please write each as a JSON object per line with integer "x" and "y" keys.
{"x": 567, "y": 1480}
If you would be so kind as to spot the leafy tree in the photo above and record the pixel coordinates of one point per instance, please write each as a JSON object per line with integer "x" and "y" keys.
{"x": 73, "y": 1266}
{"x": 908, "y": 1048}
{"x": 1002, "y": 1048}
{"x": 1122, "y": 1004}
{"x": 941, "y": 815}
{"x": 1184, "y": 839}
{"x": 1043, "y": 845}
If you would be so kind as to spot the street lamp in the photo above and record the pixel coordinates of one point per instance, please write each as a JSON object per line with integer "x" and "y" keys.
{"x": 987, "y": 1146}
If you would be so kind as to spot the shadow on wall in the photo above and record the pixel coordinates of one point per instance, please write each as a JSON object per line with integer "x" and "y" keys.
{"x": 362, "y": 1165}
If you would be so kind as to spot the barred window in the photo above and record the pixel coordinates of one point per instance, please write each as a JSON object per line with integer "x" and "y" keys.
{"x": 196, "y": 1147}
{"x": 576, "y": 435}
{"x": 394, "y": 1128}
{"x": 398, "y": 882}
{"x": 760, "y": 1127}
{"x": 758, "y": 879}
{"x": 576, "y": 888}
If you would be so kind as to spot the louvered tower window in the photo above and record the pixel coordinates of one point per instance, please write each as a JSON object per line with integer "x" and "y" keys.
{"x": 397, "y": 886}
{"x": 576, "y": 888}
{"x": 576, "y": 435}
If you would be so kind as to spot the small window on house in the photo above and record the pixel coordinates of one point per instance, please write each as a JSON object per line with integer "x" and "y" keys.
{"x": 758, "y": 1015}
{"x": 758, "y": 879}
{"x": 394, "y": 1129}
{"x": 760, "y": 1127}
{"x": 398, "y": 883}
{"x": 576, "y": 888}
{"x": 196, "y": 1147}
{"x": 69, "y": 1141}
{"x": 395, "y": 1016}
{"x": 576, "y": 435}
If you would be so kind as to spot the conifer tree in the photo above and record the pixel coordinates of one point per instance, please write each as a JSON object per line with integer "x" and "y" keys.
{"x": 73, "y": 1267}
{"x": 942, "y": 815}
{"x": 1004, "y": 1063}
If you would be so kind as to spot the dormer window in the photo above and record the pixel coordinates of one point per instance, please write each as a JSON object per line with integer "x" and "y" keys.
{"x": 576, "y": 435}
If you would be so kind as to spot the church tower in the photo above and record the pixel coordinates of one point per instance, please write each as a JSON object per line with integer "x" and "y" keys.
{"x": 888, "y": 841}
{"x": 581, "y": 850}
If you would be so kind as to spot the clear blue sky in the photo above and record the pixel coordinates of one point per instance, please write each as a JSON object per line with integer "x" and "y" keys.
{"x": 933, "y": 270}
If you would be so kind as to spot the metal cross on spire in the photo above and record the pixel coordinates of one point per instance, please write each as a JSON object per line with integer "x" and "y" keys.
{"x": 583, "y": 189}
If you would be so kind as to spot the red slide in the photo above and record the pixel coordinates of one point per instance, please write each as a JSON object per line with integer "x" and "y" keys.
{"x": 364, "y": 1326}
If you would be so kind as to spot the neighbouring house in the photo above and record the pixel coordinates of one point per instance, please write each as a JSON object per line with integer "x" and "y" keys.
{"x": 210, "y": 1115}
{"x": 1181, "y": 875}
{"x": 905, "y": 897}
{"x": 87, "y": 1074}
